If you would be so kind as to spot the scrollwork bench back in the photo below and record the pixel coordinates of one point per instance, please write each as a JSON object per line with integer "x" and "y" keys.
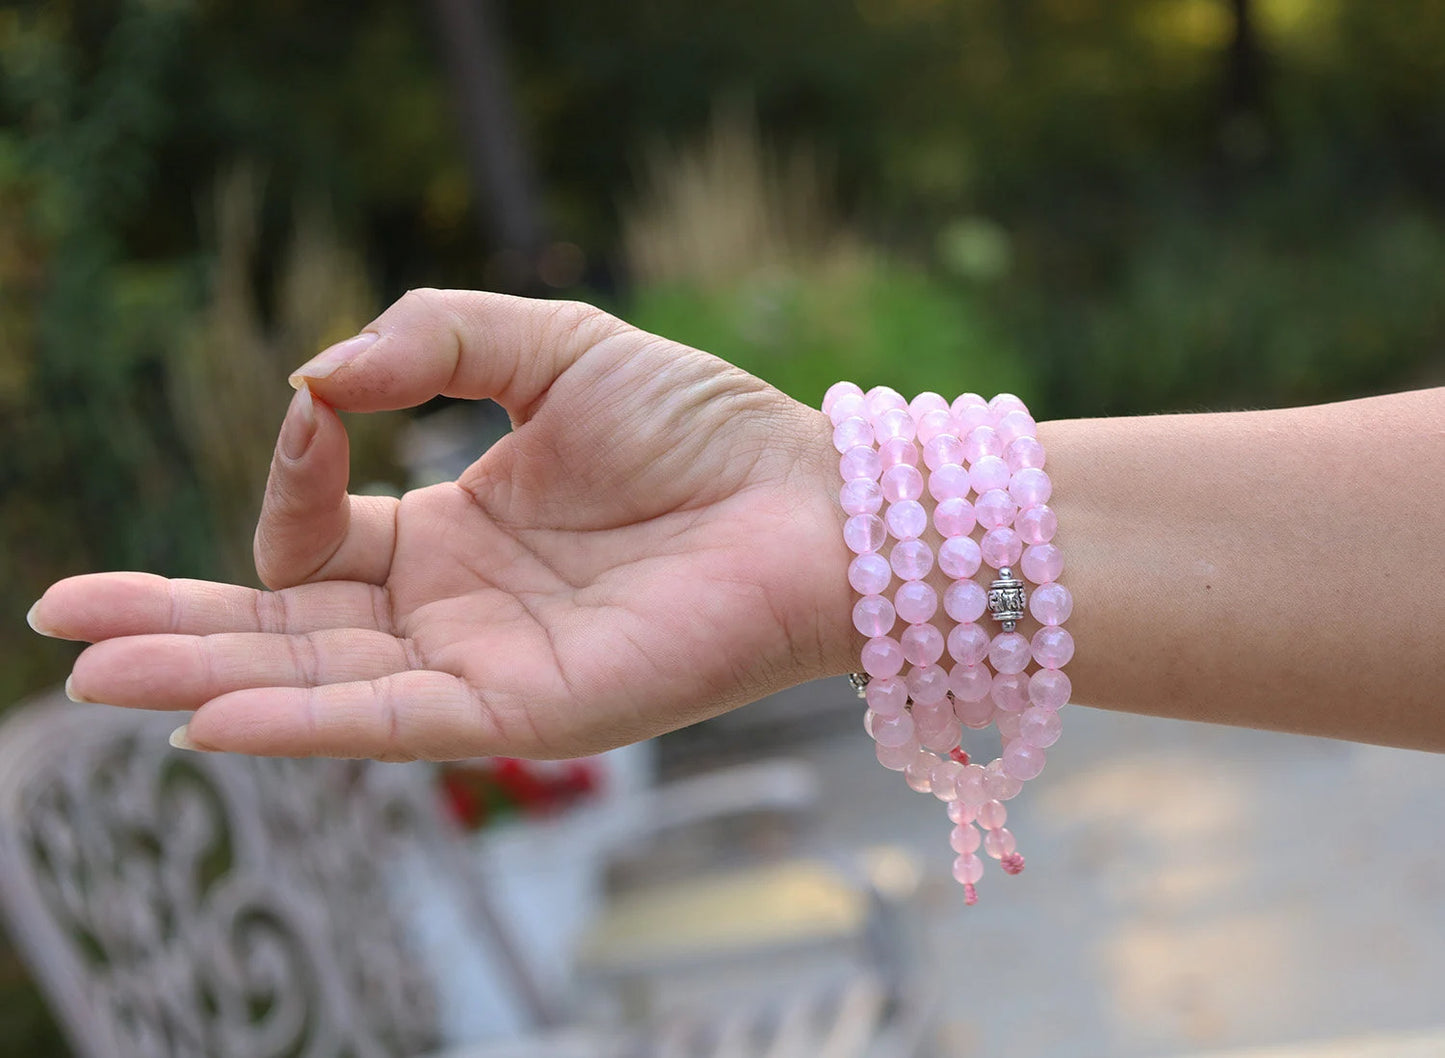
{"x": 179, "y": 904}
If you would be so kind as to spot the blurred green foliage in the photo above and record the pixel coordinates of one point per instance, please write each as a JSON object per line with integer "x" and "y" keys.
{"x": 1113, "y": 206}
{"x": 875, "y": 322}
{"x": 1117, "y": 206}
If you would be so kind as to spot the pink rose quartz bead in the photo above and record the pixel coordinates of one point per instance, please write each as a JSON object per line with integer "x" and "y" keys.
{"x": 852, "y": 432}
{"x": 942, "y": 778}
{"x": 999, "y": 843}
{"x": 893, "y": 731}
{"x": 1009, "y": 653}
{"x": 961, "y": 814}
{"x": 967, "y": 869}
{"x": 896, "y": 758}
{"x": 945, "y": 737}
{"x": 930, "y": 716}
{"x": 968, "y": 643}
{"x": 1022, "y": 761}
{"x": 898, "y": 452}
{"x": 988, "y": 472}
{"x": 998, "y": 785}
{"x": 942, "y": 739}
{"x": 932, "y": 424}
{"x": 926, "y": 402}
{"x": 965, "y": 600}
{"x": 970, "y": 785}
{"x": 1016, "y": 424}
{"x": 959, "y": 557}
{"x": 869, "y": 716}
{"x": 881, "y": 398}
{"x": 1042, "y": 563}
{"x": 995, "y": 509}
{"x": 860, "y": 461}
{"x": 1037, "y": 525}
{"x": 1040, "y": 727}
{"x": 1003, "y": 403}
{"x": 1007, "y": 725}
{"x": 911, "y": 559}
{"x": 954, "y": 517}
{"x": 1030, "y": 487}
{"x": 861, "y": 496}
{"x": 1001, "y": 547}
{"x": 873, "y": 615}
{"x": 1053, "y": 647}
{"x": 837, "y": 390}
{"x": 970, "y": 683}
{"x": 901, "y": 482}
{"x": 1050, "y": 688}
{"x": 847, "y": 407}
{"x": 916, "y": 602}
{"x": 949, "y": 482}
{"x": 977, "y": 714}
{"x": 980, "y": 442}
{"x": 971, "y": 411}
{"x": 895, "y": 423}
{"x": 918, "y": 771}
{"x": 1024, "y": 452}
{"x": 992, "y": 815}
{"x": 1010, "y": 691}
{"x": 864, "y": 533}
{"x": 922, "y": 644}
{"x": 943, "y": 449}
{"x": 906, "y": 520}
{"x": 965, "y": 838}
{"x": 1051, "y": 604}
{"x": 887, "y": 695}
{"x": 927, "y": 684}
{"x": 869, "y": 573}
{"x": 882, "y": 657}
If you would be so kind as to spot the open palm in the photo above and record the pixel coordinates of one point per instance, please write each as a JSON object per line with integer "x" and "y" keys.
{"x": 652, "y": 544}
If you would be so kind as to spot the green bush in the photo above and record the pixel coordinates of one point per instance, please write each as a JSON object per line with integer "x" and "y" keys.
{"x": 1242, "y": 310}
{"x": 874, "y": 321}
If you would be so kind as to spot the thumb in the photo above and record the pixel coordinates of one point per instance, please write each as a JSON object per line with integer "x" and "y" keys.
{"x": 459, "y": 343}
{"x": 309, "y": 528}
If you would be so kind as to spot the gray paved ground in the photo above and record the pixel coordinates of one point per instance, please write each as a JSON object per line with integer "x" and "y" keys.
{"x": 1188, "y": 887}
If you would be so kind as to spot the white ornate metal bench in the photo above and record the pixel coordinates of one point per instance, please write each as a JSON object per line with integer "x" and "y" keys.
{"x": 177, "y": 904}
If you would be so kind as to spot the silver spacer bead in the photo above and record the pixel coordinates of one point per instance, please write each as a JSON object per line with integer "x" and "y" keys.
{"x": 859, "y": 680}
{"x": 1006, "y": 599}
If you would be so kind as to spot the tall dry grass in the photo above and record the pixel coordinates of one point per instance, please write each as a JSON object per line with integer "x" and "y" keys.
{"x": 228, "y": 383}
{"x": 719, "y": 210}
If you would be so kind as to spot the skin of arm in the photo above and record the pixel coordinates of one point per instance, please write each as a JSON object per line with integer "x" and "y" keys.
{"x": 659, "y": 540}
{"x": 1278, "y": 569}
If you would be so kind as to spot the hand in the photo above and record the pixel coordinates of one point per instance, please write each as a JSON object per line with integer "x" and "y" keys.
{"x": 655, "y": 542}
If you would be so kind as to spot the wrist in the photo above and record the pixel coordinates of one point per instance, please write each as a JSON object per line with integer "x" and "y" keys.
{"x": 822, "y": 638}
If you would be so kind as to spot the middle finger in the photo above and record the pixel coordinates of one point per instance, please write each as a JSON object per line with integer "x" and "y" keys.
{"x": 182, "y": 672}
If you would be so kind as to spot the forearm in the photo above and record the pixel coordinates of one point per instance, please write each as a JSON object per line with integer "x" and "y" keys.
{"x": 1276, "y": 569}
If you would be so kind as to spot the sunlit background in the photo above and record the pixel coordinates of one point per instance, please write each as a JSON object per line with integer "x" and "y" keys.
{"x": 1108, "y": 206}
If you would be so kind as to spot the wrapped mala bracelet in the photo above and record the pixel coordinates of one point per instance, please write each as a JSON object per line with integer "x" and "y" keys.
{"x": 988, "y": 450}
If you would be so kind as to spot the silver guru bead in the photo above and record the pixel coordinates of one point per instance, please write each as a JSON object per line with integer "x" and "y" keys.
{"x": 1006, "y": 599}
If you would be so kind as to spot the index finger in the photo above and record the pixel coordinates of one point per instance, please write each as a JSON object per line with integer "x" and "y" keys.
{"x": 96, "y": 606}
{"x": 458, "y": 343}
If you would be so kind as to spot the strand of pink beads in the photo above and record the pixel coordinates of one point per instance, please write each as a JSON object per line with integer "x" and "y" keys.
{"x": 887, "y": 718}
{"x": 989, "y": 448}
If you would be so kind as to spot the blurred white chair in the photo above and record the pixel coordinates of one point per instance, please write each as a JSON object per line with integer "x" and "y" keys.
{"x": 208, "y": 904}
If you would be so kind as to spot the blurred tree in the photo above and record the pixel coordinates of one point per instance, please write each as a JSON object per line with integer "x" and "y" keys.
{"x": 502, "y": 176}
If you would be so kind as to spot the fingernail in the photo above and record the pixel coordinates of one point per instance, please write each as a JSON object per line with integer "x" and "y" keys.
{"x": 328, "y": 360}
{"x": 299, "y": 426}
{"x": 70, "y": 690}
{"x": 181, "y": 739}
{"x": 34, "y": 622}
